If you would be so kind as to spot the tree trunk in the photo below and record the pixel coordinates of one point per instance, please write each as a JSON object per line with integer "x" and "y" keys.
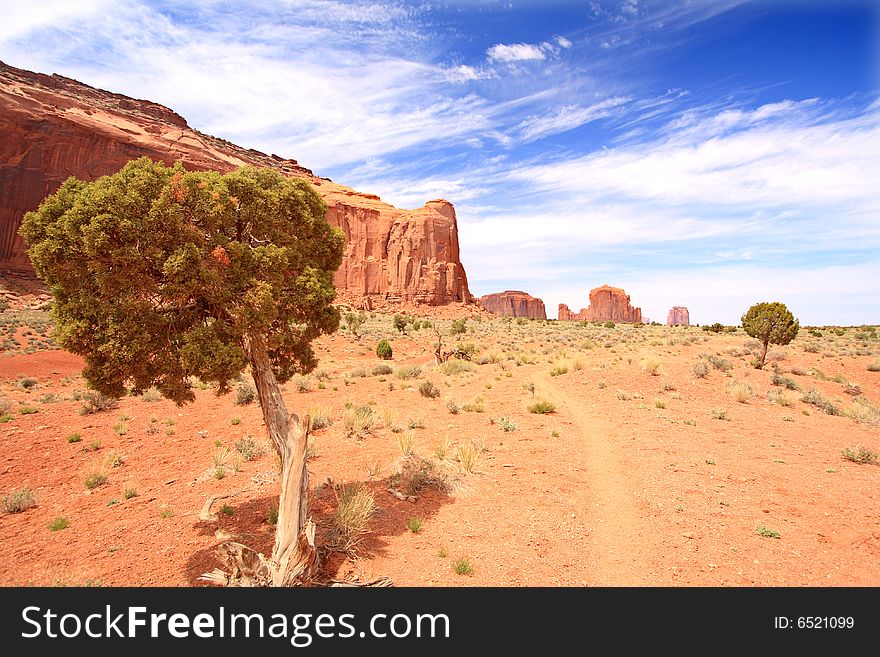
{"x": 293, "y": 557}
{"x": 763, "y": 355}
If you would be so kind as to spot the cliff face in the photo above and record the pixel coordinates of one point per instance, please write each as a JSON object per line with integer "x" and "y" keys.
{"x": 606, "y": 304}
{"x": 52, "y": 127}
{"x": 678, "y": 316}
{"x": 513, "y": 303}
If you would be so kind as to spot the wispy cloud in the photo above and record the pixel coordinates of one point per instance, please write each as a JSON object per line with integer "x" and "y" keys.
{"x": 514, "y": 52}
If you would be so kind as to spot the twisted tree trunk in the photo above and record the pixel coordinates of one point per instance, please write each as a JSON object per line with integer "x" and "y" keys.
{"x": 293, "y": 556}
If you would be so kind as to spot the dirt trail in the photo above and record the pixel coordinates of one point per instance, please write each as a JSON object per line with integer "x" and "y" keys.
{"x": 618, "y": 540}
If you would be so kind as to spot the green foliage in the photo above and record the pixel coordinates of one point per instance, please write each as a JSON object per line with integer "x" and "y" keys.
{"x": 400, "y": 322}
{"x": 209, "y": 260}
{"x": 383, "y": 350}
{"x": 458, "y": 327}
{"x": 770, "y": 323}
{"x": 859, "y": 454}
{"x": 19, "y": 500}
{"x": 58, "y": 524}
{"x": 717, "y": 327}
{"x": 354, "y": 322}
{"x": 609, "y": 324}
{"x": 767, "y": 533}
{"x": 462, "y": 566}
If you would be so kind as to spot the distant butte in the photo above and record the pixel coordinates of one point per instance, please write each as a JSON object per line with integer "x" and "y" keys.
{"x": 678, "y": 316}
{"x": 52, "y": 127}
{"x": 606, "y": 304}
{"x": 513, "y": 303}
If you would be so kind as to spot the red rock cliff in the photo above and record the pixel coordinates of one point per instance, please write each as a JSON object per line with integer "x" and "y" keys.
{"x": 513, "y": 303}
{"x": 606, "y": 304}
{"x": 52, "y": 127}
{"x": 678, "y": 316}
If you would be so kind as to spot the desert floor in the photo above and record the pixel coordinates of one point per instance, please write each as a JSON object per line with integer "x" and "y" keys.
{"x": 644, "y": 474}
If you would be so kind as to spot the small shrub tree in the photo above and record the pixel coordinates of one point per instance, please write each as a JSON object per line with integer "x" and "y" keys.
{"x": 383, "y": 350}
{"x": 771, "y": 323}
{"x": 159, "y": 275}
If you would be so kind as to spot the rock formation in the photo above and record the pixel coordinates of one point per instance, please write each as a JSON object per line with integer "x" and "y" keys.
{"x": 513, "y": 303}
{"x": 678, "y": 316}
{"x": 606, "y": 304}
{"x": 52, "y": 127}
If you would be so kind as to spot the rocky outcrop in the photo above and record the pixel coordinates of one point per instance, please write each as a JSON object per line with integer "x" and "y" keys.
{"x": 513, "y": 303}
{"x": 52, "y": 127}
{"x": 606, "y": 304}
{"x": 678, "y": 316}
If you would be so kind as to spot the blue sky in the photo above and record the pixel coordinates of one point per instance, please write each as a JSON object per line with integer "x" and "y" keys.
{"x": 707, "y": 154}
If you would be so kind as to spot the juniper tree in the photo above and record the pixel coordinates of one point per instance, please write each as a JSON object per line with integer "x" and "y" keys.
{"x": 159, "y": 275}
{"x": 770, "y": 323}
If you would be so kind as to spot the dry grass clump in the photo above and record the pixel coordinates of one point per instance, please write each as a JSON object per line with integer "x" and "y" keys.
{"x": 414, "y": 474}
{"x": 355, "y": 506}
{"x": 740, "y": 391}
{"x": 651, "y": 366}
{"x": 358, "y": 420}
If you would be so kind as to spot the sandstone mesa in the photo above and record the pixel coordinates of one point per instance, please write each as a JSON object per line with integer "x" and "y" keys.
{"x": 513, "y": 303}
{"x": 678, "y": 316}
{"x": 606, "y": 304}
{"x": 52, "y": 127}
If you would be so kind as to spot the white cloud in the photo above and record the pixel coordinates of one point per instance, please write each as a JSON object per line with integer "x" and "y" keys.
{"x": 563, "y": 42}
{"x": 734, "y": 158}
{"x": 514, "y": 52}
{"x": 567, "y": 117}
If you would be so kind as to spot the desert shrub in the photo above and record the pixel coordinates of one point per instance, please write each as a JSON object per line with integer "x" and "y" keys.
{"x": 740, "y": 391}
{"x": 559, "y": 371}
{"x": 27, "y": 382}
{"x": 717, "y": 327}
{"x": 319, "y": 418}
{"x": 381, "y": 370}
{"x": 859, "y": 454}
{"x": 453, "y": 406}
{"x": 719, "y": 414}
{"x": 781, "y": 397}
{"x": 383, "y": 350}
{"x": 415, "y": 474}
{"x": 19, "y": 500}
{"x": 456, "y": 366}
{"x": 861, "y": 411}
{"x": 353, "y": 322}
{"x": 428, "y": 389}
{"x": 458, "y": 326}
{"x": 475, "y": 406}
{"x": 463, "y": 566}
{"x": 302, "y": 383}
{"x": 358, "y": 373}
{"x": 542, "y": 407}
{"x": 358, "y": 419}
{"x": 249, "y": 448}
{"x": 506, "y": 424}
{"x": 407, "y": 372}
{"x": 95, "y": 402}
{"x": 701, "y": 370}
{"x": 651, "y": 366}
{"x": 609, "y": 324}
{"x": 817, "y": 399}
{"x": 57, "y": 524}
{"x": 720, "y": 364}
{"x": 245, "y": 394}
{"x": 95, "y": 478}
{"x": 874, "y": 366}
{"x": 785, "y": 382}
{"x": 465, "y": 350}
{"x": 355, "y": 506}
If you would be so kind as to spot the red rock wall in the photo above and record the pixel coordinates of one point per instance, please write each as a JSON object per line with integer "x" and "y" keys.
{"x": 52, "y": 127}
{"x": 678, "y": 316}
{"x": 606, "y": 304}
{"x": 513, "y": 303}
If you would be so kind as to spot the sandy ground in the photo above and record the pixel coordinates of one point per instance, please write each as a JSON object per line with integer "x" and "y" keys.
{"x": 644, "y": 474}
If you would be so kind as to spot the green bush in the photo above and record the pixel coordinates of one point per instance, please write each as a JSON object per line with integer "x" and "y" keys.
{"x": 19, "y": 500}
{"x": 245, "y": 394}
{"x": 542, "y": 407}
{"x": 383, "y": 350}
